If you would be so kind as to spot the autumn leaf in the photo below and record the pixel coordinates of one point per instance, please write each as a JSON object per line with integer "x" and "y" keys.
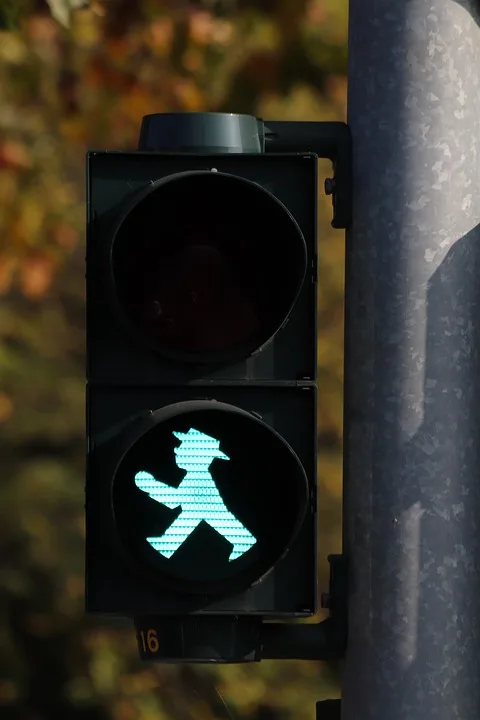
{"x": 160, "y": 35}
{"x": 201, "y": 27}
{"x": 189, "y": 95}
{"x": 66, "y": 236}
{"x": 36, "y": 274}
{"x": 40, "y": 28}
{"x": 14, "y": 155}
{"x": 137, "y": 103}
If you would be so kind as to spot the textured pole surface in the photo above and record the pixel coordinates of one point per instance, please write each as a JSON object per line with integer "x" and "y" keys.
{"x": 412, "y": 435}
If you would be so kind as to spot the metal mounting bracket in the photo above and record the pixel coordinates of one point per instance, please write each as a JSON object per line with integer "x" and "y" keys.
{"x": 236, "y": 639}
{"x": 330, "y": 140}
{"x": 329, "y": 710}
{"x": 325, "y": 640}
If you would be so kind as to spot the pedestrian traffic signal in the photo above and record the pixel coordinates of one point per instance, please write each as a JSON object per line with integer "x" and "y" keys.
{"x": 196, "y": 498}
{"x": 201, "y": 373}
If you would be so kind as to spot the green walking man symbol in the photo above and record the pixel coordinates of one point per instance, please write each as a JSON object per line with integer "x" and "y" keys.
{"x": 198, "y": 497}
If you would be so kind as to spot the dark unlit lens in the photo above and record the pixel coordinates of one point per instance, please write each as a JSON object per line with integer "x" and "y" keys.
{"x": 207, "y": 263}
{"x": 198, "y": 301}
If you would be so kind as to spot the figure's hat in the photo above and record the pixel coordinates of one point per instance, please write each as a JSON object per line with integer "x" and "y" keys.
{"x": 200, "y": 444}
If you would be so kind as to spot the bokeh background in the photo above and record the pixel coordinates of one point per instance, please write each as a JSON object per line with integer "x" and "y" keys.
{"x": 77, "y": 75}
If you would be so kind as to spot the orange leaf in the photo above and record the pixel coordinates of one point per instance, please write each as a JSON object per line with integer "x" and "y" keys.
{"x": 41, "y": 28}
{"x": 160, "y": 36}
{"x": 36, "y": 274}
{"x": 66, "y": 236}
{"x": 190, "y": 96}
{"x": 14, "y": 155}
{"x": 201, "y": 27}
{"x": 136, "y": 103}
{"x": 74, "y": 130}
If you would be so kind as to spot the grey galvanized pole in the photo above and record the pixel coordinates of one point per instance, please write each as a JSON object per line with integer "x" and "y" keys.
{"x": 412, "y": 436}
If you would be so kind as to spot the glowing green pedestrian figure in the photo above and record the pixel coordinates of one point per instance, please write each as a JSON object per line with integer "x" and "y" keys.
{"x": 198, "y": 496}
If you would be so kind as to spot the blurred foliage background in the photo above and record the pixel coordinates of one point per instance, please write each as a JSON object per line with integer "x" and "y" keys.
{"x": 77, "y": 75}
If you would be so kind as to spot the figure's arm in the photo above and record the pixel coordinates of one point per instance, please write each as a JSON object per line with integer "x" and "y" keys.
{"x": 157, "y": 490}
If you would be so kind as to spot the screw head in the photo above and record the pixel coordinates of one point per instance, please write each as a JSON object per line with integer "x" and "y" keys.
{"x": 325, "y": 600}
{"x": 329, "y": 186}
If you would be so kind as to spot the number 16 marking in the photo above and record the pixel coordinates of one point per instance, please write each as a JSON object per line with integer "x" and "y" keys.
{"x": 150, "y": 641}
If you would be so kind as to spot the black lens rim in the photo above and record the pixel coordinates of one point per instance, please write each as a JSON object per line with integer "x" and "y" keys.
{"x": 240, "y": 351}
{"x": 250, "y": 576}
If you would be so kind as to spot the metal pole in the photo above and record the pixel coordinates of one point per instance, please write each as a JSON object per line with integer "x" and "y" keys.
{"x": 412, "y": 435}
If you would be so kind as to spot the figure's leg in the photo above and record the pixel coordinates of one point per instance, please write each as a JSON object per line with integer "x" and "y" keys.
{"x": 168, "y": 543}
{"x": 232, "y": 530}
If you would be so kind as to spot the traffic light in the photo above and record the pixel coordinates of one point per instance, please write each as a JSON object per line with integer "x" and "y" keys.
{"x": 201, "y": 375}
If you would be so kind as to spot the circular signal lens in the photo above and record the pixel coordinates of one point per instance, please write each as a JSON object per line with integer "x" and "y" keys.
{"x": 208, "y": 499}
{"x": 207, "y": 266}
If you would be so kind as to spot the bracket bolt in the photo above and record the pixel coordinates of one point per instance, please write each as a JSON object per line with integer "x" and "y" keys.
{"x": 325, "y": 600}
{"x": 329, "y": 186}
